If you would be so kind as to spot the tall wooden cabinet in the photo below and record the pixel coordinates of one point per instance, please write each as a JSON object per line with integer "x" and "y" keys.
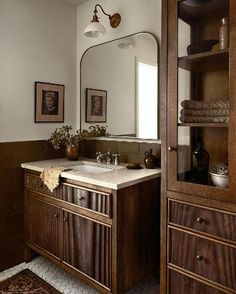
{"x": 198, "y": 246}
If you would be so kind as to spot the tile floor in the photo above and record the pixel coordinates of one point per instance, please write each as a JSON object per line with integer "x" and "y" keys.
{"x": 66, "y": 283}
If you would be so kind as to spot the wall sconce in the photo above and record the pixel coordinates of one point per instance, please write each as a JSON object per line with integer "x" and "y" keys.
{"x": 96, "y": 29}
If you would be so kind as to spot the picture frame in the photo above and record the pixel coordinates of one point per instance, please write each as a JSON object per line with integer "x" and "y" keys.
{"x": 49, "y": 102}
{"x": 96, "y": 105}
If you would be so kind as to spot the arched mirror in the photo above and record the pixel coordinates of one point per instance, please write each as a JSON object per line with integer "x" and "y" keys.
{"x": 119, "y": 87}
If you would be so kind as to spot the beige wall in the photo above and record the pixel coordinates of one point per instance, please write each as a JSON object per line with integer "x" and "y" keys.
{"x": 38, "y": 43}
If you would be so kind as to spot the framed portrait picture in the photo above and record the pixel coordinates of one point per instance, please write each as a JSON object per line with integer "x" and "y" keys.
{"x": 49, "y": 102}
{"x": 96, "y": 105}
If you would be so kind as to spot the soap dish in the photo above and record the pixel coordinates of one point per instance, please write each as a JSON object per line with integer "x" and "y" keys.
{"x": 134, "y": 166}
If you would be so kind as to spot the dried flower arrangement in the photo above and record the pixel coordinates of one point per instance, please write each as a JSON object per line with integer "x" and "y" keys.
{"x": 63, "y": 137}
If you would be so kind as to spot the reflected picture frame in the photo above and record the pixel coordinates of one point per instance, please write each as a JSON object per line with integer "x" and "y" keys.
{"x": 96, "y": 105}
{"x": 49, "y": 102}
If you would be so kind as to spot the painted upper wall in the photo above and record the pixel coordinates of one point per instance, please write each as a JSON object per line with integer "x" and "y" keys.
{"x": 137, "y": 16}
{"x": 38, "y": 43}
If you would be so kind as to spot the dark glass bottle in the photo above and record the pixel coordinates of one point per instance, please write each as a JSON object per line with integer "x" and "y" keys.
{"x": 150, "y": 161}
{"x": 200, "y": 164}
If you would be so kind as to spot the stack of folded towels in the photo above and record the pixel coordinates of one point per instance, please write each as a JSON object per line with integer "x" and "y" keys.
{"x": 204, "y": 112}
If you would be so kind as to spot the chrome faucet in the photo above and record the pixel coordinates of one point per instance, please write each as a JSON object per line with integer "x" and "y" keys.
{"x": 107, "y": 158}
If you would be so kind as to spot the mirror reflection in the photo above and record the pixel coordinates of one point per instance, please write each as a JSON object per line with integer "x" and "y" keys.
{"x": 122, "y": 77}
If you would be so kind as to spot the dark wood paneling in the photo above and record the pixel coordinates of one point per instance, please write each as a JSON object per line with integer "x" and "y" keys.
{"x": 180, "y": 284}
{"x": 211, "y": 260}
{"x": 138, "y": 219}
{"x": 12, "y": 154}
{"x": 203, "y": 220}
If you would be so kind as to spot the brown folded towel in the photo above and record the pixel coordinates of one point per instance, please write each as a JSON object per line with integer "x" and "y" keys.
{"x": 51, "y": 176}
{"x": 192, "y": 104}
{"x": 212, "y": 119}
{"x": 204, "y": 112}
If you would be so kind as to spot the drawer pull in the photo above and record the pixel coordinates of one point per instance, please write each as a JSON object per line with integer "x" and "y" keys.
{"x": 172, "y": 148}
{"x": 65, "y": 219}
{"x": 200, "y": 257}
{"x": 56, "y": 215}
{"x": 199, "y": 220}
{"x": 81, "y": 198}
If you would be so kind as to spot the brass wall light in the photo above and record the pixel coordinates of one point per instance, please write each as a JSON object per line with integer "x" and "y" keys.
{"x": 96, "y": 29}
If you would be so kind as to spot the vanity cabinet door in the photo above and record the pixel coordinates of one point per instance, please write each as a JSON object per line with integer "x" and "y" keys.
{"x": 87, "y": 247}
{"x": 42, "y": 225}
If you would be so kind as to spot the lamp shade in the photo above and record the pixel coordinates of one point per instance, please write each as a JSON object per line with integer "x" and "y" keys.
{"x": 95, "y": 30}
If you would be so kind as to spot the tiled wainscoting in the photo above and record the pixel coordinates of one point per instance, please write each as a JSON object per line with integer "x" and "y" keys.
{"x": 129, "y": 151}
{"x": 12, "y": 154}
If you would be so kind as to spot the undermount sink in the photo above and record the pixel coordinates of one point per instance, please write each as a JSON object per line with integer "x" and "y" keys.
{"x": 92, "y": 169}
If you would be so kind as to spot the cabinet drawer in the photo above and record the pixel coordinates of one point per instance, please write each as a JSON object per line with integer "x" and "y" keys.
{"x": 94, "y": 200}
{"x": 204, "y": 220}
{"x": 186, "y": 285}
{"x": 36, "y": 184}
{"x": 214, "y": 261}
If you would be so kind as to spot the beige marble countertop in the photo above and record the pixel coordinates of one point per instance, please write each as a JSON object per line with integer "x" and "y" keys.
{"x": 113, "y": 176}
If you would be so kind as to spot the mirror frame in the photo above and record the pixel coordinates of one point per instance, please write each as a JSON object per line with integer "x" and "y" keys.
{"x": 127, "y": 138}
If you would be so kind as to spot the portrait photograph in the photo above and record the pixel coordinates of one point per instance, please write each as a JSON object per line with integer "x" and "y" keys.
{"x": 49, "y": 102}
{"x": 96, "y": 105}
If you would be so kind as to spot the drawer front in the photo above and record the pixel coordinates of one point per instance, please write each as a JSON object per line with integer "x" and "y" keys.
{"x": 206, "y": 258}
{"x": 93, "y": 200}
{"x": 180, "y": 284}
{"x": 36, "y": 184}
{"x": 204, "y": 220}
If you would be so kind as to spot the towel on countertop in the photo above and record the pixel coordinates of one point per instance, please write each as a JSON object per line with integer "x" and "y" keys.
{"x": 51, "y": 176}
{"x": 204, "y": 119}
{"x": 192, "y": 104}
{"x": 204, "y": 112}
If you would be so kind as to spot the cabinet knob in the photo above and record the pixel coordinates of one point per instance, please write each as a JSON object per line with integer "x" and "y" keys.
{"x": 199, "y": 220}
{"x": 81, "y": 198}
{"x": 199, "y": 257}
{"x": 65, "y": 219}
{"x": 56, "y": 215}
{"x": 172, "y": 148}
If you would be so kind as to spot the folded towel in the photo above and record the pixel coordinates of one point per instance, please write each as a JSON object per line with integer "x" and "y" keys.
{"x": 204, "y": 112}
{"x": 192, "y": 104}
{"x": 51, "y": 176}
{"x": 206, "y": 119}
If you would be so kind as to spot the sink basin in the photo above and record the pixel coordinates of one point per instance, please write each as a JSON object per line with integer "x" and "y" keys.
{"x": 92, "y": 169}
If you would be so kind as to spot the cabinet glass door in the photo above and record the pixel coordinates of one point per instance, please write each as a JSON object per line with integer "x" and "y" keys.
{"x": 199, "y": 89}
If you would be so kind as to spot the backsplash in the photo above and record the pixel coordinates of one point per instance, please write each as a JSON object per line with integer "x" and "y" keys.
{"x": 12, "y": 154}
{"x": 130, "y": 152}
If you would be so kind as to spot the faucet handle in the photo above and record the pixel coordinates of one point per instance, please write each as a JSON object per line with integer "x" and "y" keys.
{"x": 98, "y": 156}
{"x": 116, "y": 157}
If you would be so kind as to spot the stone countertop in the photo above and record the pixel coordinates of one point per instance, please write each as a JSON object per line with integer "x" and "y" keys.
{"x": 119, "y": 176}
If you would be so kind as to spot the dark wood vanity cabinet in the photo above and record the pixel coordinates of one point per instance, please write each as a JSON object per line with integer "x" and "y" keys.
{"x": 108, "y": 238}
{"x": 198, "y": 221}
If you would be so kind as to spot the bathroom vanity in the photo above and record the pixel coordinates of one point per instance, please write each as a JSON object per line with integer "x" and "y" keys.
{"x": 101, "y": 226}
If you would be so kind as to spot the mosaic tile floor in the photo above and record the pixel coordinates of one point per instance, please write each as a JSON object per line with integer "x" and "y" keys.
{"x": 67, "y": 284}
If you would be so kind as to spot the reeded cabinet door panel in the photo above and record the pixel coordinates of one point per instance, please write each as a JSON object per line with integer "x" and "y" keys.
{"x": 87, "y": 247}
{"x": 42, "y": 222}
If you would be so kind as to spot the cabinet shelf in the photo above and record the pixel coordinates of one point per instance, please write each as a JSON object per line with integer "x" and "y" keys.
{"x": 204, "y": 125}
{"x": 192, "y": 13}
{"x": 205, "y": 62}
